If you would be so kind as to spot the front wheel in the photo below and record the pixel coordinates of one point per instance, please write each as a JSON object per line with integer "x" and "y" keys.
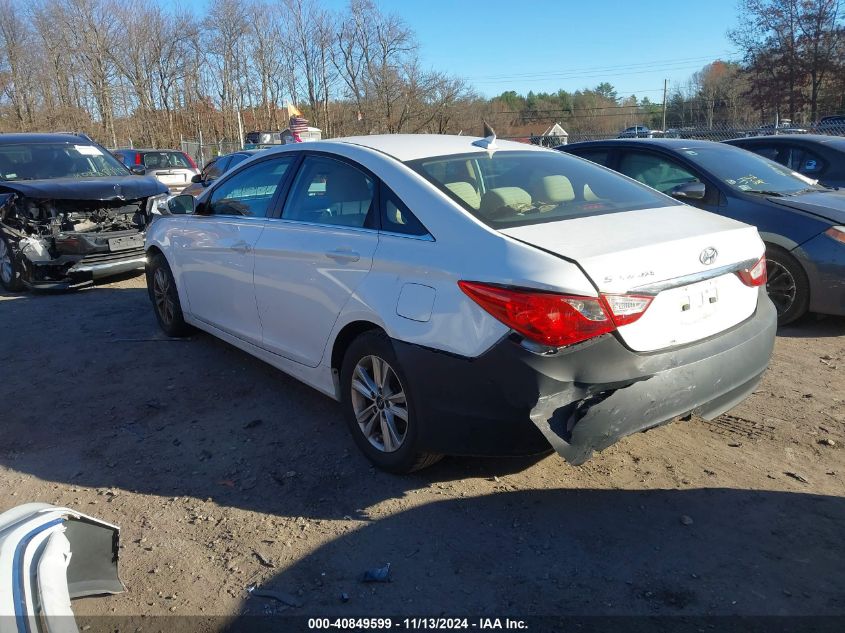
{"x": 787, "y": 285}
{"x": 379, "y": 406}
{"x": 10, "y": 277}
{"x": 162, "y": 288}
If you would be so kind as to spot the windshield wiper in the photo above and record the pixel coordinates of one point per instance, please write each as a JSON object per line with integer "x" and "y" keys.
{"x": 777, "y": 194}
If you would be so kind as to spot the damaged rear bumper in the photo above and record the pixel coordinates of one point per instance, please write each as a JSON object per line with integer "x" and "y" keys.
{"x": 580, "y": 399}
{"x": 49, "y": 555}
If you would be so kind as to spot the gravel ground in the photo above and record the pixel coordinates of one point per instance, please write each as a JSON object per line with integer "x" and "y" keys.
{"x": 224, "y": 474}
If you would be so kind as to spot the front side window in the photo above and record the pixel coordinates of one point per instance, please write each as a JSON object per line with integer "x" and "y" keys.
{"x": 516, "y": 188}
{"x": 656, "y": 171}
{"x": 44, "y": 161}
{"x": 250, "y": 192}
{"x": 803, "y": 161}
{"x": 328, "y": 191}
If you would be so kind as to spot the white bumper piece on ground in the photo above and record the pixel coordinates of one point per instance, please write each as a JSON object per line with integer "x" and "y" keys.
{"x": 49, "y": 555}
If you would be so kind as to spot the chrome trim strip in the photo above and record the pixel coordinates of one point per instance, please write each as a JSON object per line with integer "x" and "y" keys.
{"x": 122, "y": 265}
{"x": 423, "y": 238}
{"x": 685, "y": 280}
{"x": 319, "y": 225}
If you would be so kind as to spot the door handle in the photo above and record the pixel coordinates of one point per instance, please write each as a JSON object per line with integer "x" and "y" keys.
{"x": 241, "y": 247}
{"x": 343, "y": 255}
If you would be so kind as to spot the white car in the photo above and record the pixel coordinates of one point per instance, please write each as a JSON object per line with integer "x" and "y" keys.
{"x": 469, "y": 296}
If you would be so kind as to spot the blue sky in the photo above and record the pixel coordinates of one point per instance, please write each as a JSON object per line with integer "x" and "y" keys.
{"x": 544, "y": 45}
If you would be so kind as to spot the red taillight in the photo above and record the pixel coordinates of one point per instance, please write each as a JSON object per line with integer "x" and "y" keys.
{"x": 555, "y": 319}
{"x": 190, "y": 160}
{"x": 756, "y": 275}
{"x": 138, "y": 160}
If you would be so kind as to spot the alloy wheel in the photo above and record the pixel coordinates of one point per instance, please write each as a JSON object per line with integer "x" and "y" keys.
{"x": 379, "y": 404}
{"x": 780, "y": 286}
{"x": 161, "y": 293}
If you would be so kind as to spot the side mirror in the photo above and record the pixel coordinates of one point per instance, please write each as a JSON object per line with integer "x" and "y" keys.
{"x": 196, "y": 178}
{"x": 138, "y": 170}
{"x": 689, "y": 191}
{"x": 181, "y": 205}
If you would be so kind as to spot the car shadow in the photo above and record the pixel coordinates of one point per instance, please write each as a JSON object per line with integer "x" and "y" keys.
{"x": 582, "y": 552}
{"x": 106, "y": 402}
{"x": 814, "y": 326}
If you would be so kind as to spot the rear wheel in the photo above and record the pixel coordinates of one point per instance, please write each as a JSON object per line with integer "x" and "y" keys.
{"x": 379, "y": 406}
{"x": 166, "y": 298}
{"x": 787, "y": 285}
{"x": 9, "y": 273}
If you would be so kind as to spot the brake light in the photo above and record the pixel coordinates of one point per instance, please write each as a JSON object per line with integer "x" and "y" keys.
{"x": 837, "y": 233}
{"x": 754, "y": 276}
{"x": 190, "y": 160}
{"x": 555, "y": 319}
{"x": 138, "y": 160}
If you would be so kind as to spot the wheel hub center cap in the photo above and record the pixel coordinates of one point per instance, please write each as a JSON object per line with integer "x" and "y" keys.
{"x": 379, "y": 402}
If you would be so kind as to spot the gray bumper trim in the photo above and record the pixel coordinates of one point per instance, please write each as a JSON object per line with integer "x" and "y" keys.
{"x": 707, "y": 379}
{"x": 109, "y": 268}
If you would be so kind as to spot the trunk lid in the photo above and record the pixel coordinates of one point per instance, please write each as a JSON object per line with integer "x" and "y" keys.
{"x": 666, "y": 253}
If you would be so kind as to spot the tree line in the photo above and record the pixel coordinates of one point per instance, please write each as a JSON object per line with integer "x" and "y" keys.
{"x": 140, "y": 71}
{"x": 136, "y": 70}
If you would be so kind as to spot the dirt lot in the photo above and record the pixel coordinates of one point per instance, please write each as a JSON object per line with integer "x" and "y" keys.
{"x": 223, "y": 473}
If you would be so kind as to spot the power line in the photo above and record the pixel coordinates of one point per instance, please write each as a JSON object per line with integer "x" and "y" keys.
{"x": 603, "y": 76}
{"x": 573, "y": 72}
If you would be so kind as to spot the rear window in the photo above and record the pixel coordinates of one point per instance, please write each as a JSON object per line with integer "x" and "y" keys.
{"x": 513, "y": 188}
{"x": 166, "y": 160}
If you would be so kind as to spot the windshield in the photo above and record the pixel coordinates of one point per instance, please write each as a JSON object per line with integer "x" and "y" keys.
{"x": 43, "y": 161}
{"x": 746, "y": 171}
{"x": 514, "y": 188}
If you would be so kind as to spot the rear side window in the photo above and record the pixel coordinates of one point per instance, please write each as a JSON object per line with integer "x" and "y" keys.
{"x": 655, "y": 171}
{"x": 165, "y": 160}
{"x": 396, "y": 217}
{"x": 250, "y": 192}
{"x": 516, "y": 188}
{"x": 328, "y": 191}
{"x": 765, "y": 151}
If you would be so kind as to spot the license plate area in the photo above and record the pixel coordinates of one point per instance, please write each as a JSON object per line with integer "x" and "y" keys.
{"x": 697, "y": 302}
{"x": 126, "y": 243}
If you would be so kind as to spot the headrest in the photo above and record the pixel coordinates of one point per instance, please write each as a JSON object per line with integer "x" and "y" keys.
{"x": 504, "y": 200}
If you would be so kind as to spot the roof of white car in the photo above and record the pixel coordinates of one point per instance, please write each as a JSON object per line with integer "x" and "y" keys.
{"x": 407, "y": 147}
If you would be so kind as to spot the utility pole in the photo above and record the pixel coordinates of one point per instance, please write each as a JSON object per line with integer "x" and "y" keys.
{"x": 665, "y": 91}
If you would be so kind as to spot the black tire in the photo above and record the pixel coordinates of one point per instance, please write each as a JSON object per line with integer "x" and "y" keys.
{"x": 10, "y": 274}
{"x": 165, "y": 298}
{"x": 407, "y": 457}
{"x": 787, "y": 285}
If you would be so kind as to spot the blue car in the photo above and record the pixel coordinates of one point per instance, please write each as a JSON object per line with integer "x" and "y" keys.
{"x": 802, "y": 224}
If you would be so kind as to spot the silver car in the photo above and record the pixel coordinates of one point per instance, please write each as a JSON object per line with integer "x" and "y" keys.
{"x": 171, "y": 167}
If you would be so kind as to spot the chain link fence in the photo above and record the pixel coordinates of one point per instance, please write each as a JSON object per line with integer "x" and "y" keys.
{"x": 203, "y": 152}
{"x": 718, "y": 132}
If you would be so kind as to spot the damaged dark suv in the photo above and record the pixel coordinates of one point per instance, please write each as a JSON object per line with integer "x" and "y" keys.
{"x": 70, "y": 212}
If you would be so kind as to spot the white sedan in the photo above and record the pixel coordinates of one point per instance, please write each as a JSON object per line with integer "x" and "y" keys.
{"x": 469, "y": 296}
